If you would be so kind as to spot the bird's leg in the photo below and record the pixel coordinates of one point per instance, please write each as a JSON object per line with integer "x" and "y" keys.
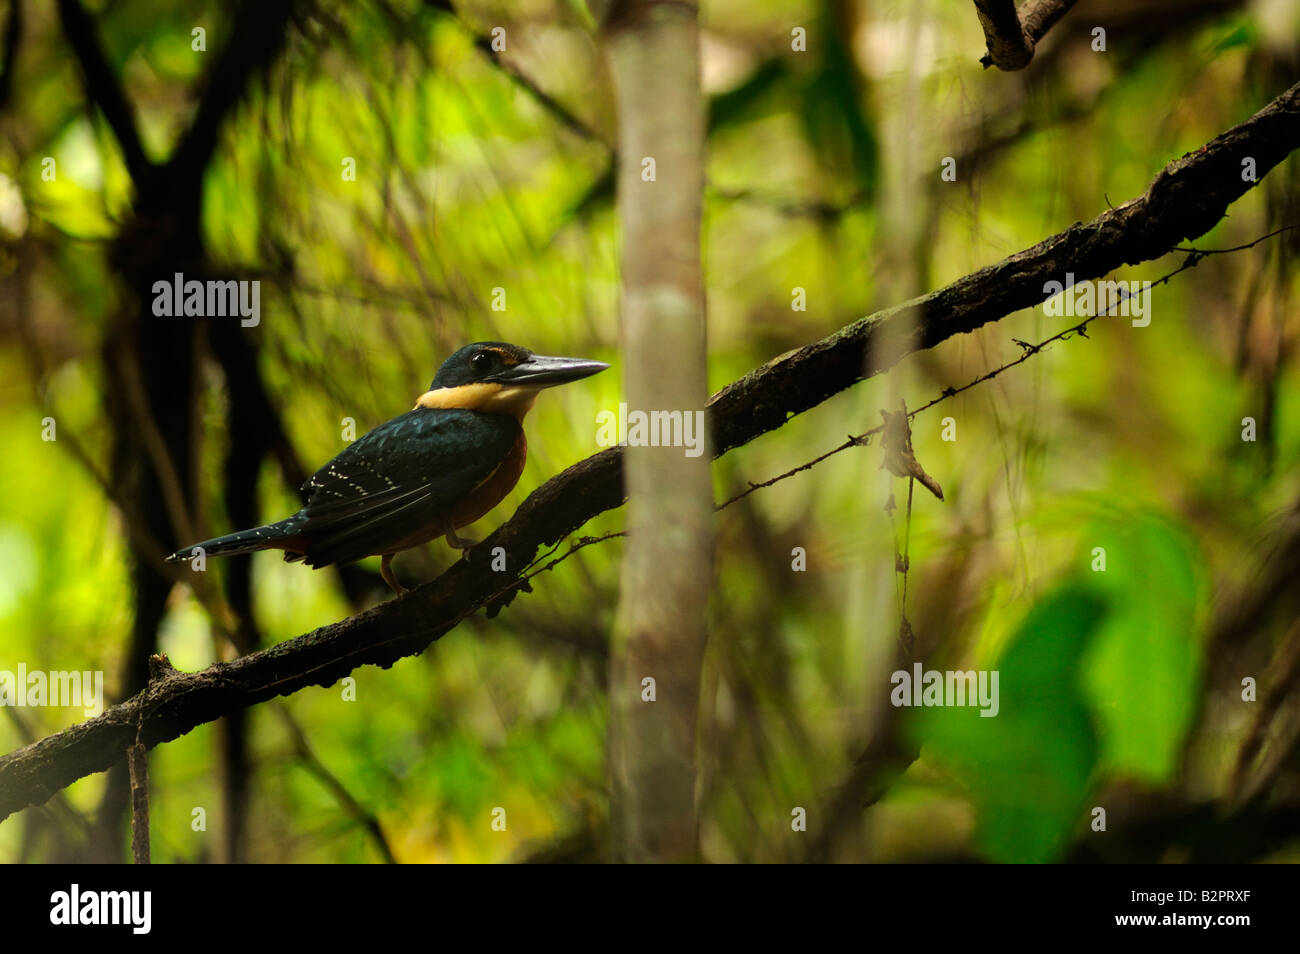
{"x": 460, "y": 543}
{"x": 386, "y": 571}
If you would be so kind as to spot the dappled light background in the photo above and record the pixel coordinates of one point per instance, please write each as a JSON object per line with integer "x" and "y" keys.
{"x": 478, "y": 171}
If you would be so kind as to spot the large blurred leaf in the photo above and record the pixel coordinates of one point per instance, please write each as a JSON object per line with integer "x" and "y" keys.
{"x": 1028, "y": 767}
{"x": 834, "y": 114}
{"x": 741, "y": 104}
{"x": 1141, "y": 673}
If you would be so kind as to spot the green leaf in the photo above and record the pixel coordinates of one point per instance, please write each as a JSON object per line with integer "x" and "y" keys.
{"x": 1141, "y": 675}
{"x": 582, "y": 13}
{"x": 1245, "y": 33}
{"x": 1028, "y": 767}
{"x": 742, "y": 103}
{"x": 835, "y": 120}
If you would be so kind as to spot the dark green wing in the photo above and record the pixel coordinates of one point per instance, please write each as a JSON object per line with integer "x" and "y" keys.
{"x": 403, "y": 476}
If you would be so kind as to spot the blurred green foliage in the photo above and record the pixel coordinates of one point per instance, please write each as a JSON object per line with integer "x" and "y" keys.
{"x": 1029, "y": 765}
{"x": 823, "y": 174}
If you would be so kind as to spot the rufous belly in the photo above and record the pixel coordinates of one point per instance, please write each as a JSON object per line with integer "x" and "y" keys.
{"x": 482, "y": 499}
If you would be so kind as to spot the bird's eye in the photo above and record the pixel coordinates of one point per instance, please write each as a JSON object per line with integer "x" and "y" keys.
{"x": 482, "y": 362}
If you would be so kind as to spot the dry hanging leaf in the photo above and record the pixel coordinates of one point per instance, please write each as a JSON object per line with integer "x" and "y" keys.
{"x": 896, "y": 440}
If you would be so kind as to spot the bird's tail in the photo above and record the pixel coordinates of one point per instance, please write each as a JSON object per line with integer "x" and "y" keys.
{"x": 272, "y": 536}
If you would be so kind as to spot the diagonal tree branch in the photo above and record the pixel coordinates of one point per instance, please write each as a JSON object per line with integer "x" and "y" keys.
{"x": 1184, "y": 201}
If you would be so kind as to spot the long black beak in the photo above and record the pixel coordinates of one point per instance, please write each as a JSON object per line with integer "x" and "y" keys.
{"x": 540, "y": 371}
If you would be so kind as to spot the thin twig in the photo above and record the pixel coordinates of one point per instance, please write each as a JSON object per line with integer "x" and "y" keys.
{"x": 1283, "y": 675}
{"x": 904, "y": 624}
{"x": 1205, "y": 252}
{"x": 369, "y": 821}
{"x": 137, "y": 764}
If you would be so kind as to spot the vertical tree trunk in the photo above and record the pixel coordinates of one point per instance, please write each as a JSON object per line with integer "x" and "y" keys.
{"x": 662, "y": 617}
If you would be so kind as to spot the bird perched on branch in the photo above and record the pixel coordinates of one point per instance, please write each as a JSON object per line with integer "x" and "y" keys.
{"x": 425, "y": 474}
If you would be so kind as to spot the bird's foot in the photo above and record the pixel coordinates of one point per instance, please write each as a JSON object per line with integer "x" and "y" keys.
{"x": 460, "y": 543}
{"x": 386, "y": 571}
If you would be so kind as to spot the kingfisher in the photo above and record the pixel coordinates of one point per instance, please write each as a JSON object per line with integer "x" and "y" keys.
{"x": 425, "y": 474}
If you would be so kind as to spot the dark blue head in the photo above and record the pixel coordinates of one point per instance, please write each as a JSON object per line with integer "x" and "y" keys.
{"x": 496, "y": 362}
